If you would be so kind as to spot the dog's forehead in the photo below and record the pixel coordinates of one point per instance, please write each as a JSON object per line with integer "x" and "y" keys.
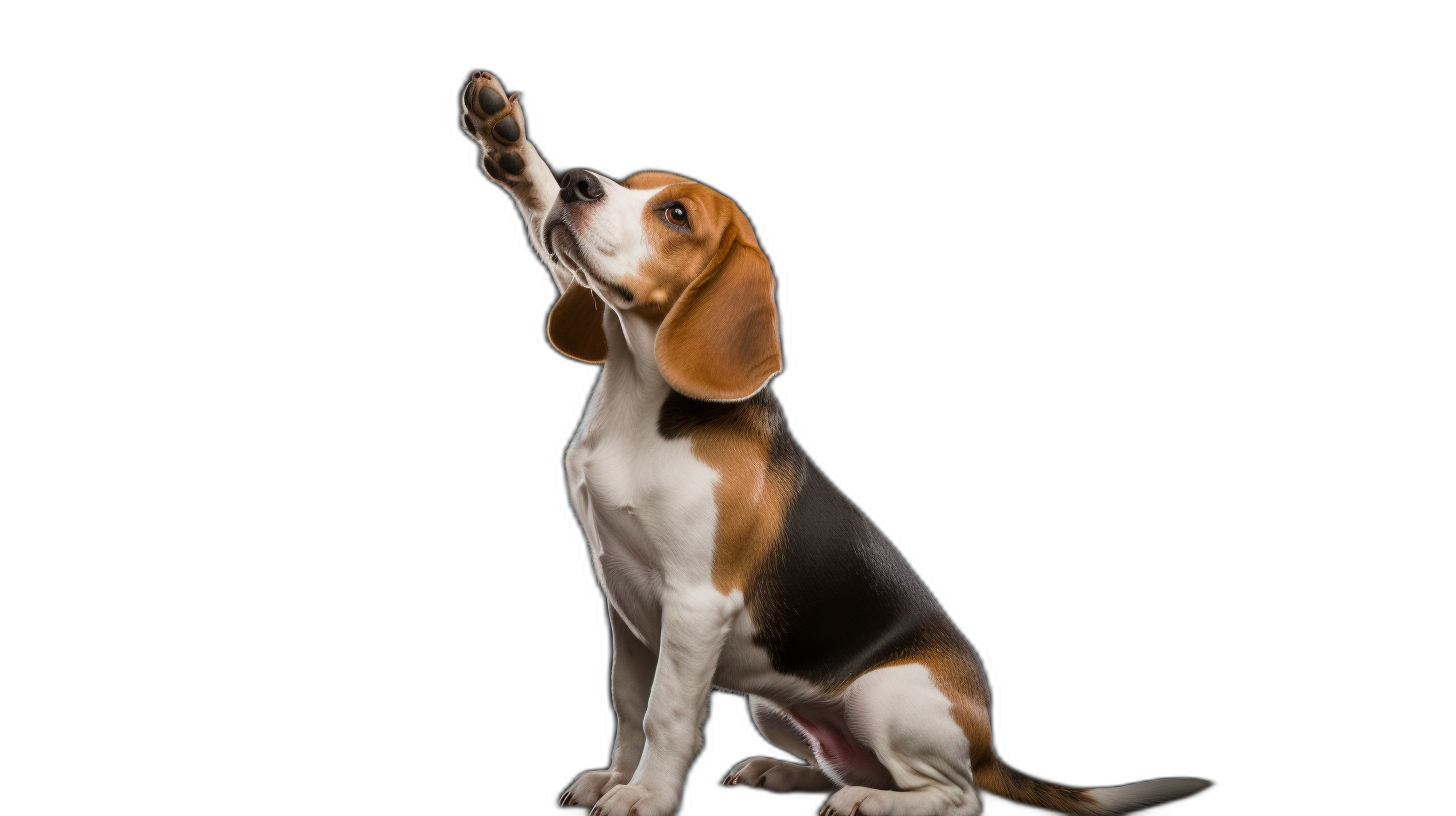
{"x": 650, "y": 179}
{"x": 670, "y": 185}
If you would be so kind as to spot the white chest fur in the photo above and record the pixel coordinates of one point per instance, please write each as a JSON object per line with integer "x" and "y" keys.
{"x": 645, "y": 503}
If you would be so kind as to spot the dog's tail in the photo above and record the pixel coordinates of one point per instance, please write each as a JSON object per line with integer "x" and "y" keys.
{"x": 1003, "y": 780}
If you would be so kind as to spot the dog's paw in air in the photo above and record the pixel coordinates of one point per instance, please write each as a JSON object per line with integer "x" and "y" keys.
{"x": 494, "y": 119}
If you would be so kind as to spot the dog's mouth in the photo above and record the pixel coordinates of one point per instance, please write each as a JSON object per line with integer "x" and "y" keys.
{"x": 561, "y": 245}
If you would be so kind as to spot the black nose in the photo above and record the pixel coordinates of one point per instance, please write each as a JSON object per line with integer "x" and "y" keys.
{"x": 581, "y": 185}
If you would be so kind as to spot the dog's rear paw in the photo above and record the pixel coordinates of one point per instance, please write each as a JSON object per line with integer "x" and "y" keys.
{"x": 777, "y": 775}
{"x": 857, "y": 801}
{"x": 587, "y": 789}
{"x": 496, "y": 121}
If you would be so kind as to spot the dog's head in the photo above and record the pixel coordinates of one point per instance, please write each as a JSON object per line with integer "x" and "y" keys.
{"x": 677, "y": 256}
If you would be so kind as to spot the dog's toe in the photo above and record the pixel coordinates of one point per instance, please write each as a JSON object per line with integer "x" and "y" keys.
{"x": 589, "y": 787}
{"x": 494, "y": 118}
{"x": 777, "y": 775}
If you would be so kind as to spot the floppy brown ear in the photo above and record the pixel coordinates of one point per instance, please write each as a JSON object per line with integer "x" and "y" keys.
{"x": 720, "y": 341}
{"x": 575, "y": 325}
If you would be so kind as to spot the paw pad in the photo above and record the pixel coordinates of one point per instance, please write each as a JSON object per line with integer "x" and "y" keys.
{"x": 490, "y": 101}
{"x": 512, "y": 163}
{"x": 490, "y": 111}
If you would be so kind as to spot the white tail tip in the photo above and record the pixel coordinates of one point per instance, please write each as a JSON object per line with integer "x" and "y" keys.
{"x": 1139, "y": 795}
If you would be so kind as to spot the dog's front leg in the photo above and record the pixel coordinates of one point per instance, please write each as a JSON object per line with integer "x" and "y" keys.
{"x": 633, "y": 665}
{"x": 695, "y": 623}
{"x": 497, "y": 123}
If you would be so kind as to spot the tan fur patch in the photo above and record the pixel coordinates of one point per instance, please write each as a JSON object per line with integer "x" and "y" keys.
{"x": 647, "y": 179}
{"x": 678, "y": 255}
{"x": 959, "y": 677}
{"x": 753, "y": 493}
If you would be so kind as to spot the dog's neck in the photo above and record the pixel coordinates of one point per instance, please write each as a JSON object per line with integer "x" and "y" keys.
{"x": 632, "y": 353}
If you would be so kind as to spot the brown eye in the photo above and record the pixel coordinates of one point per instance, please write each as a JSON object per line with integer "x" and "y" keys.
{"x": 677, "y": 215}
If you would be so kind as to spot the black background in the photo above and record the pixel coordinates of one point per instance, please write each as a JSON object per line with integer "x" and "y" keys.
{"x": 1018, "y": 331}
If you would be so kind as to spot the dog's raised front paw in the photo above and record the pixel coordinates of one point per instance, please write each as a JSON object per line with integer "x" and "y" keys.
{"x": 587, "y": 789}
{"x": 496, "y": 121}
{"x": 635, "y": 800}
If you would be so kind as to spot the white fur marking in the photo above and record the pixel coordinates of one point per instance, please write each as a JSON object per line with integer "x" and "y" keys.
{"x": 609, "y": 235}
{"x": 899, "y": 712}
{"x": 1137, "y": 795}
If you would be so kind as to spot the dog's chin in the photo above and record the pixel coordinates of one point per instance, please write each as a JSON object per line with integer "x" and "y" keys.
{"x": 561, "y": 243}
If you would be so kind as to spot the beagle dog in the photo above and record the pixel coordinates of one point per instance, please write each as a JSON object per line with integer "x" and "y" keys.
{"x": 727, "y": 559}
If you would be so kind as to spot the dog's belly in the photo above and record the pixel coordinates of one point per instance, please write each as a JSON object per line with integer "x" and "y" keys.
{"x": 817, "y": 713}
{"x": 745, "y": 667}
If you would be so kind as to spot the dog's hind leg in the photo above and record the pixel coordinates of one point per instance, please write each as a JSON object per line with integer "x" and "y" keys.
{"x": 900, "y": 714}
{"x": 776, "y": 774}
{"x": 495, "y": 120}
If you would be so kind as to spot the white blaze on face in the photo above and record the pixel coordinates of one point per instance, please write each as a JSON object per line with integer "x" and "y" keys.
{"x": 609, "y": 232}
